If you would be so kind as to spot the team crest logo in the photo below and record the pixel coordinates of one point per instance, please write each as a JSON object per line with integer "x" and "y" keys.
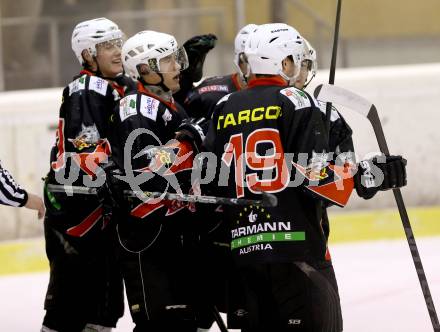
{"x": 169, "y": 159}
{"x": 89, "y": 136}
{"x": 252, "y": 214}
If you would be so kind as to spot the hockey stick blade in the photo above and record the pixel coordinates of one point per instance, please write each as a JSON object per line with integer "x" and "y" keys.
{"x": 267, "y": 200}
{"x": 340, "y": 96}
{"x": 219, "y": 320}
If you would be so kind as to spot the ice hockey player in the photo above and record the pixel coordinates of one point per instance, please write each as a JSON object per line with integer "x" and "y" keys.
{"x": 201, "y": 100}
{"x": 12, "y": 194}
{"x": 199, "y": 103}
{"x": 156, "y": 236}
{"x": 85, "y": 289}
{"x": 340, "y": 137}
{"x": 271, "y": 136}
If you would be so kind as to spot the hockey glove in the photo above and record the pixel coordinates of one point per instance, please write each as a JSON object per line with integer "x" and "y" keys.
{"x": 116, "y": 187}
{"x": 197, "y": 47}
{"x": 106, "y": 194}
{"x": 192, "y": 132}
{"x": 380, "y": 173}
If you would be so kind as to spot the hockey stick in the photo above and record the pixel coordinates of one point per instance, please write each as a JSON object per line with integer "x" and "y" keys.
{"x": 61, "y": 188}
{"x": 219, "y": 320}
{"x": 331, "y": 79}
{"x": 362, "y": 106}
{"x": 267, "y": 200}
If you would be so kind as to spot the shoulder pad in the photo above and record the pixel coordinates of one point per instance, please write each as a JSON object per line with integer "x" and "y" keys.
{"x": 98, "y": 85}
{"x": 127, "y": 107}
{"x": 149, "y": 107}
{"x": 78, "y": 84}
{"x": 192, "y": 94}
{"x": 297, "y": 97}
{"x": 223, "y": 99}
{"x": 334, "y": 115}
{"x": 213, "y": 79}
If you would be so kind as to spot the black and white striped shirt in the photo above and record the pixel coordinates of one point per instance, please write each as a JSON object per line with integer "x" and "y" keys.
{"x": 10, "y": 192}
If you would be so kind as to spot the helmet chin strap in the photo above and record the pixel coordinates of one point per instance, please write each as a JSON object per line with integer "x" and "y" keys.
{"x": 86, "y": 66}
{"x": 159, "y": 89}
{"x": 308, "y": 81}
{"x": 289, "y": 78}
{"x": 98, "y": 72}
{"x": 243, "y": 76}
{"x": 160, "y": 85}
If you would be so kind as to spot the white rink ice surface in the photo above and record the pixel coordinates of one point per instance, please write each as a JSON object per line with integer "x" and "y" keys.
{"x": 377, "y": 281}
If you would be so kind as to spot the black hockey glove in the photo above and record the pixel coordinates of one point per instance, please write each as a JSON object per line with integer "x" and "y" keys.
{"x": 115, "y": 189}
{"x": 197, "y": 47}
{"x": 126, "y": 83}
{"x": 105, "y": 192}
{"x": 191, "y": 131}
{"x": 380, "y": 173}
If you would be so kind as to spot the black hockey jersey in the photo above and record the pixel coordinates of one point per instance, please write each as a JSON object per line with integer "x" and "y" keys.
{"x": 201, "y": 100}
{"x": 267, "y": 135}
{"x": 81, "y": 146}
{"x": 143, "y": 110}
{"x": 143, "y": 125}
{"x": 143, "y": 130}
{"x": 85, "y": 112}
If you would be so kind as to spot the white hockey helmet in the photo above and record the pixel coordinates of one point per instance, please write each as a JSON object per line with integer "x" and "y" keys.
{"x": 86, "y": 35}
{"x": 269, "y": 45}
{"x": 310, "y": 56}
{"x": 240, "y": 41}
{"x": 150, "y": 47}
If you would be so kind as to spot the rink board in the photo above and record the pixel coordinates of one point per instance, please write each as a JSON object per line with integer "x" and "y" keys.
{"x": 29, "y": 255}
{"x": 377, "y": 283}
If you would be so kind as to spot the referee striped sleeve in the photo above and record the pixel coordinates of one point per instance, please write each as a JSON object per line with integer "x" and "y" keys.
{"x": 10, "y": 192}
